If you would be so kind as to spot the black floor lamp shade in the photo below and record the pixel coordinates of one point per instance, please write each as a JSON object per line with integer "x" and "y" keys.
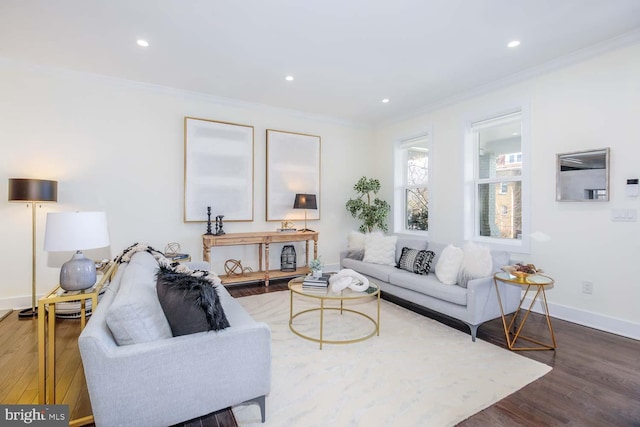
{"x": 32, "y": 190}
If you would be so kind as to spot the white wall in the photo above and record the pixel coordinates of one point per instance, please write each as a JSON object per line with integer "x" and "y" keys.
{"x": 589, "y": 105}
{"x": 118, "y": 146}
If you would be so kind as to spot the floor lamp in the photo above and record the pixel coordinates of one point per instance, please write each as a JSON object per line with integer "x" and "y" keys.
{"x": 32, "y": 191}
{"x": 305, "y": 201}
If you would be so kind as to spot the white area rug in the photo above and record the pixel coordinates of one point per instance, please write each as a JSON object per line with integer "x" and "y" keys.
{"x": 418, "y": 372}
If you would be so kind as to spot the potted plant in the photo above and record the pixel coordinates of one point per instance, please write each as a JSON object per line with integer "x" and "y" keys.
{"x": 316, "y": 267}
{"x": 372, "y": 213}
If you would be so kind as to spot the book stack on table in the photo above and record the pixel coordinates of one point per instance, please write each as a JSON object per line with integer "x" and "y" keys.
{"x": 311, "y": 282}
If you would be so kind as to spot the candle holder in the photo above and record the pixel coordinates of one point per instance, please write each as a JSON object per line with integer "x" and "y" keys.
{"x": 209, "y": 233}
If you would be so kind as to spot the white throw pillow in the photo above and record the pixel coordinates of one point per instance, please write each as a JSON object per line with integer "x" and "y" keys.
{"x": 355, "y": 241}
{"x": 449, "y": 265}
{"x": 380, "y": 249}
{"x": 477, "y": 260}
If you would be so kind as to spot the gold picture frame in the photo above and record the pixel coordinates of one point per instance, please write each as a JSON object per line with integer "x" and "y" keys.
{"x": 293, "y": 166}
{"x": 218, "y": 170}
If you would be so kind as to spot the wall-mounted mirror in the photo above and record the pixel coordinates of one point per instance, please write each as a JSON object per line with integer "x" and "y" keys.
{"x": 583, "y": 176}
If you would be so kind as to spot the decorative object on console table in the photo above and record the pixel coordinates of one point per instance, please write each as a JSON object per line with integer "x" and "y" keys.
{"x": 233, "y": 267}
{"x": 32, "y": 191}
{"x": 305, "y": 201}
{"x": 209, "y": 220}
{"x": 287, "y": 227}
{"x": 219, "y": 230}
{"x": 288, "y": 258}
{"x": 76, "y": 231}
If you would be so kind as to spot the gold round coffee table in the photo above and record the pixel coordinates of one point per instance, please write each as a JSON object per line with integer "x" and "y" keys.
{"x": 325, "y": 295}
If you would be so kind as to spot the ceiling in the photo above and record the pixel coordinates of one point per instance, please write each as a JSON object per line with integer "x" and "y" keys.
{"x": 345, "y": 55}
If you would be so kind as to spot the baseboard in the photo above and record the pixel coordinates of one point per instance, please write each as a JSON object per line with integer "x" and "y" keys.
{"x": 16, "y": 303}
{"x": 590, "y": 319}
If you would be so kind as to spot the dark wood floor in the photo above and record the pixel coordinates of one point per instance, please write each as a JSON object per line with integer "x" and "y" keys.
{"x": 595, "y": 379}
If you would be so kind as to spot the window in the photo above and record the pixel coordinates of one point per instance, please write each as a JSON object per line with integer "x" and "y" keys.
{"x": 412, "y": 177}
{"x": 496, "y": 186}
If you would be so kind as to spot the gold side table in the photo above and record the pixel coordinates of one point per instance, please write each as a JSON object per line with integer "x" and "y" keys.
{"x": 537, "y": 282}
{"x": 47, "y": 330}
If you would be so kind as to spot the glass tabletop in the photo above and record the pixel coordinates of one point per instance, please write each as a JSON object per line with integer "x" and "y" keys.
{"x": 295, "y": 285}
{"x": 533, "y": 279}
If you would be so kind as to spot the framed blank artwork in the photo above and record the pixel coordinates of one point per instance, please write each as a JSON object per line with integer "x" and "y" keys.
{"x": 293, "y": 166}
{"x": 218, "y": 170}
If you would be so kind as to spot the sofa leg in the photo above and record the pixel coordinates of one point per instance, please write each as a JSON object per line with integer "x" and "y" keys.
{"x": 474, "y": 331}
{"x": 261, "y": 401}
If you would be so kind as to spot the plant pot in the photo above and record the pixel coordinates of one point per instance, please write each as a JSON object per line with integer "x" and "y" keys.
{"x": 316, "y": 273}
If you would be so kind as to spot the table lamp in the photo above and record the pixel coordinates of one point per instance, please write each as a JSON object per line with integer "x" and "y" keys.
{"x": 32, "y": 191}
{"x": 76, "y": 231}
{"x": 305, "y": 201}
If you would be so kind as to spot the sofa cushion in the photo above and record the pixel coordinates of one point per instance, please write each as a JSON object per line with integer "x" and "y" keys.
{"x": 449, "y": 264}
{"x": 190, "y": 303}
{"x": 429, "y": 285}
{"x": 380, "y": 249}
{"x": 375, "y": 271}
{"x": 135, "y": 316}
{"x": 415, "y": 261}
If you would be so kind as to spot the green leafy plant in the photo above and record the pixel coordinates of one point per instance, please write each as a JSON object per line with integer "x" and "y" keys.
{"x": 315, "y": 264}
{"x": 372, "y": 213}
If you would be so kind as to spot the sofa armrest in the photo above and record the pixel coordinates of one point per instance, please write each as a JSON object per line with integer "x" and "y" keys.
{"x": 482, "y": 300}
{"x": 168, "y": 381}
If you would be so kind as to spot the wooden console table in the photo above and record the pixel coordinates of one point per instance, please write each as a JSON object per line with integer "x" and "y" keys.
{"x": 261, "y": 239}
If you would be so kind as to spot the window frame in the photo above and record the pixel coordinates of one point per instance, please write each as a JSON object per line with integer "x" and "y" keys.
{"x": 471, "y": 179}
{"x": 401, "y": 151}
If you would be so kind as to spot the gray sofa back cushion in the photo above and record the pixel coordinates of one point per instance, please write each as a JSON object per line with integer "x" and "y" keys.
{"x": 135, "y": 316}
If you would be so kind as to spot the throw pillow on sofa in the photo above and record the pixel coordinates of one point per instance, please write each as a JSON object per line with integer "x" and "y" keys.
{"x": 477, "y": 263}
{"x": 415, "y": 261}
{"x": 191, "y": 304}
{"x": 380, "y": 249}
{"x": 449, "y": 264}
{"x": 355, "y": 245}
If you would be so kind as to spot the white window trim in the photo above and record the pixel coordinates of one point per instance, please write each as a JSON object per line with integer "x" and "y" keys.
{"x": 470, "y": 190}
{"x": 400, "y": 160}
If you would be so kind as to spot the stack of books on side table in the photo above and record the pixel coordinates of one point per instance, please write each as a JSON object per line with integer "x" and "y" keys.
{"x": 311, "y": 282}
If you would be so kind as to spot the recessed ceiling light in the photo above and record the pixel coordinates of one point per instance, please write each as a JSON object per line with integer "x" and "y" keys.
{"x": 386, "y": 100}
{"x": 289, "y": 78}
{"x": 513, "y": 43}
{"x": 143, "y": 43}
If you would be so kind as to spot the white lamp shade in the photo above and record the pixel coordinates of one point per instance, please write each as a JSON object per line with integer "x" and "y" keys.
{"x": 76, "y": 231}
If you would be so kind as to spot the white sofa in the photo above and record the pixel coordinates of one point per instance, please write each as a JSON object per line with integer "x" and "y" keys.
{"x": 162, "y": 380}
{"x": 473, "y": 305}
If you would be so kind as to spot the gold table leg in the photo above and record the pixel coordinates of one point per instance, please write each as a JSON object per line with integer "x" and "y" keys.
{"x": 512, "y": 337}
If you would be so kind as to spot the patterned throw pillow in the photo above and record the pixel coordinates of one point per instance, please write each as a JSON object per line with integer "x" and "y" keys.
{"x": 416, "y": 261}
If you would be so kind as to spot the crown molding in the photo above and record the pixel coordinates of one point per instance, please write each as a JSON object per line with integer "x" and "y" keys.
{"x": 576, "y": 57}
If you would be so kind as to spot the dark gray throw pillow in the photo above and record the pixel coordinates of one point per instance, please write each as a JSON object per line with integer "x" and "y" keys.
{"x": 416, "y": 261}
{"x": 190, "y": 304}
{"x": 357, "y": 255}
